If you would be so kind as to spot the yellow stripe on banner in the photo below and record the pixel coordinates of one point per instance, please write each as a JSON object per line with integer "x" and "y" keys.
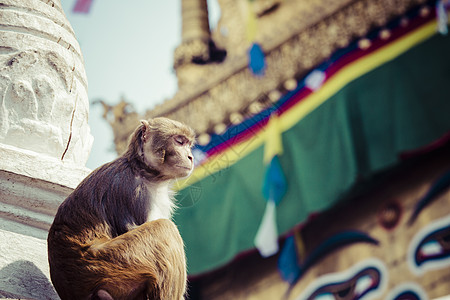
{"x": 223, "y": 160}
{"x": 291, "y": 117}
{"x": 251, "y": 22}
{"x": 353, "y": 71}
{"x": 273, "y": 144}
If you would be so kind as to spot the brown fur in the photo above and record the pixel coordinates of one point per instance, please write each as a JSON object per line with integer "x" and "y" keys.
{"x": 102, "y": 244}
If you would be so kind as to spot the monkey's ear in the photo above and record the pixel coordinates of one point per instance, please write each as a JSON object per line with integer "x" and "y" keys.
{"x": 145, "y": 130}
{"x": 145, "y": 123}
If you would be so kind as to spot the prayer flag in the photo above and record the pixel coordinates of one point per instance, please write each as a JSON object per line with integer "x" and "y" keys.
{"x": 82, "y": 6}
{"x": 274, "y": 188}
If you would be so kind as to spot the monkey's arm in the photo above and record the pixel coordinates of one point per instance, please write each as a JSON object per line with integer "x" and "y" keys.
{"x": 152, "y": 252}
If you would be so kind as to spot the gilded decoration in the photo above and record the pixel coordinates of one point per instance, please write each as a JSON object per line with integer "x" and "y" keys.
{"x": 191, "y": 51}
{"x": 209, "y": 94}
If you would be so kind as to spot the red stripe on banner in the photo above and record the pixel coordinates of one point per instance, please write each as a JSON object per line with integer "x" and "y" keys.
{"x": 82, "y": 6}
{"x": 242, "y": 137}
{"x": 375, "y": 44}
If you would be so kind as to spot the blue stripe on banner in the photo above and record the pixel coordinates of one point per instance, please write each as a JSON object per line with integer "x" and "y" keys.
{"x": 233, "y": 131}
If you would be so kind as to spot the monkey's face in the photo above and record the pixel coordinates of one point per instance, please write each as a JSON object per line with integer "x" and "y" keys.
{"x": 167, "y": 148}
{"x": 178, "y": 161}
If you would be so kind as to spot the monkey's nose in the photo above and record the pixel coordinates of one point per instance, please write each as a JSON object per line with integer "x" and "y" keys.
{"x": 190, "y": 157}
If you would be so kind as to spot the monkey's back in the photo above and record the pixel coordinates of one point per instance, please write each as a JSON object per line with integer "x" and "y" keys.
{"x": 106, "y": 199}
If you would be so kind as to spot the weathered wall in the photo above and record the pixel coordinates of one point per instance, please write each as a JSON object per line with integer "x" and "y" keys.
{"x": 43, "y": 87}
{"x": 45, "y": 139}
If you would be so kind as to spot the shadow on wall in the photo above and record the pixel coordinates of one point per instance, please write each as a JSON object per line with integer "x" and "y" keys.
{"x": 22, "y": 279}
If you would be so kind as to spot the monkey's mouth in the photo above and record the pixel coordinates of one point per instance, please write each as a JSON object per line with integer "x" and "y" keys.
{"x": 184, "y": 167}
{"x": 185, "y": 171}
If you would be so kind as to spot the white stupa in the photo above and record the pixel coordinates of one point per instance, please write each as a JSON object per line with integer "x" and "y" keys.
{"x": 45, "y": 139}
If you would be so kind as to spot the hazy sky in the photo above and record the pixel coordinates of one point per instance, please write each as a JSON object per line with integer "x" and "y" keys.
{"x": 128, "y": 50}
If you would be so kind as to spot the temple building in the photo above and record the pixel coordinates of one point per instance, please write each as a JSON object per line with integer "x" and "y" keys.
{"x": 323, "y": 156}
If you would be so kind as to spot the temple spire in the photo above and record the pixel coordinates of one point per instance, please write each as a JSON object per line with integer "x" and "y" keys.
{"x": 195, "y": 25}
{"x": 195, "y": 33}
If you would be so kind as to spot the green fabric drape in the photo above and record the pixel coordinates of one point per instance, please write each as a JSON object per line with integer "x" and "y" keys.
{"x": 402, "y": 105}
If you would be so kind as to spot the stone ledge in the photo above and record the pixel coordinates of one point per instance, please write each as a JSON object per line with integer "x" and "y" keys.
{"x": 46, "y": 168}
{"x": 28, "y": 205}
{"x": 32, "y": 186}
{"x": 24, "y": 271}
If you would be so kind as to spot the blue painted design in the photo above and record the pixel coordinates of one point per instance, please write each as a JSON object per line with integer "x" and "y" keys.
{"x": 438, "y": 187}
{"x": 331, "y": 244}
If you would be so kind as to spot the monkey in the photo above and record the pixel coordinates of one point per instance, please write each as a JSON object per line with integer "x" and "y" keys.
{"x": 112, "y": 237}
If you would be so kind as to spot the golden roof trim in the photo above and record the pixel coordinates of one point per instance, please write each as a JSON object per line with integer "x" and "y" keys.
{"x": 236, "y": 87}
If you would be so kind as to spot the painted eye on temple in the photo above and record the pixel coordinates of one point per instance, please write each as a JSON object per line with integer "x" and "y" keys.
{"x": 363, "y": 279}
{"x": 325, "y": 297}
{"x": 437, "y": 188}
{"x": 407, "y": 295}
{"x": 430, "y": 248}
{"x": 352, "y": 288}
{"x": 407, "y": 291}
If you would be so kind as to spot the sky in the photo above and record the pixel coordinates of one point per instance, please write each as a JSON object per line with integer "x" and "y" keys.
{"x": 128, "y": 51}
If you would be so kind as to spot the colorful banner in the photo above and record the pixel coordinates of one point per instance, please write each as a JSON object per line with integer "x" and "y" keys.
{"x": 372, "y": 104}
{"x": 343, "y": 67}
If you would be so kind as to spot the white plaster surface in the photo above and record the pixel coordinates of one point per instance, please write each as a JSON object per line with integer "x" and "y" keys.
{"x": 24, "y": 267}
{"x": 27, "y": 209}
{"x": 28, "y": 205}
{"x": 36, "y": 165}
{"x": 43, "y": 88}
{"x": 45, "y": 138}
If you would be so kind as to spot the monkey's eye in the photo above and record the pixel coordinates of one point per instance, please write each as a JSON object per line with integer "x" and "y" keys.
{"x": 179, "y": 140}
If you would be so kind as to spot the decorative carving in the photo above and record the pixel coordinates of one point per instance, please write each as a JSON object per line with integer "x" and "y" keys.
{"x": 122, "y": 118}
{"x": 191, "y": 51}
{"x": 262, "y": 7}
{"x": 231, "y": 28}
{"x": 34, "y": 106}
{"x": 43, "y": 87}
